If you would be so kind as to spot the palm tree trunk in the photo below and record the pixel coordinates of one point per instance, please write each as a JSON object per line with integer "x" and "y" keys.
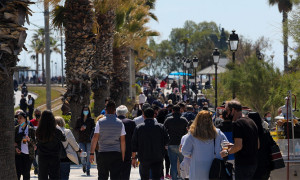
{"x": 37, "y": 68}
{"x": 285, "y": 39}
{"x": 103, "y": 59}
{"x": 79, "y": 50}
{"x": 7, "y": 134}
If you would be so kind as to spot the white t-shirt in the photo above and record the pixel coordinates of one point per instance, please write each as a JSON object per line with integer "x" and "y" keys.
{"x": 24, "y": 147}
{"x": 142, "y": 98}
{"x": 97, "y": 129}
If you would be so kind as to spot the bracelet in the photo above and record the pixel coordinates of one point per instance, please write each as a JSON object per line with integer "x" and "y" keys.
{"x": 92, "y": 154}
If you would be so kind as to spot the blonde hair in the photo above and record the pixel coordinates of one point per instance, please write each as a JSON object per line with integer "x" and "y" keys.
{"x": 60, "y": 121}
{"x": 203, "y": 127}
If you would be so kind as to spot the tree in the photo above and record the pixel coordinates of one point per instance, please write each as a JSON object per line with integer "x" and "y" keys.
{"x": 105, "y": 17}
{"x": 284, "y": 6}
{"x": 77, "y": 19}
{"x": 13, "y": 14}
{"x": 36, "y": 48}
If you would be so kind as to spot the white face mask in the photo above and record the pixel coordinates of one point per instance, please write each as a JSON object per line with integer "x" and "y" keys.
{"x": 268, "y": 119}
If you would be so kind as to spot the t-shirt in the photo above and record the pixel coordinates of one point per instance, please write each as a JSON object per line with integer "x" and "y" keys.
{"x": 35, "y": 123}
{"x": 123, "y": 132}
{"x": 246, "y": 129}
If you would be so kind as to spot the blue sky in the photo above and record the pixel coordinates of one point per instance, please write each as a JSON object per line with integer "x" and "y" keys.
{"x": 250, "y": 18}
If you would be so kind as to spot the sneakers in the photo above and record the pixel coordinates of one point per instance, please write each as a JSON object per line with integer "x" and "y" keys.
{"x": 168, "y": 176}
{"x": 88, "y": 173}
{"x": 84, "y": 169}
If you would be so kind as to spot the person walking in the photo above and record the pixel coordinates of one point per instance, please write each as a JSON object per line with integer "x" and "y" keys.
{"x": 140, "y": 119}
{"x": 24, "y": 146}
{"x": 129, "y": 128}
{"x": 246, "y": 142}
{"x": 263, "y": 169}
{"x": 35, "y": 123}
{"x": 149, "y": 142}
{"x": 30, "y": 106}
{"x": 189, "y": 114}
{"x": 110, "y": 134}
{"x": 71, "y": 147}
{"x": 84, "y": 126}
{"x": 142, "y": 98}
{"x": 23, "y": 103}
{"x": 202, "y": 145}
{"x": 49, "y": 144}
{"x": 176, "y": 128}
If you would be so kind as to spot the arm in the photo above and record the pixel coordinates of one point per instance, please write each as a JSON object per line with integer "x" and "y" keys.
{"x": 123, "y": 146}
{"x": 238, "y": 145}
{"x": 93, "y": 146}
{"x": 187, "y": 147}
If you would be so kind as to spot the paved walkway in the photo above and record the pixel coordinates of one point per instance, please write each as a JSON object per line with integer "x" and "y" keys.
{"x": 76, "y": 173}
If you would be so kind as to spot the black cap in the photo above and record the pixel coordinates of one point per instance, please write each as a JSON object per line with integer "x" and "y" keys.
{"x": 21, "y": 113}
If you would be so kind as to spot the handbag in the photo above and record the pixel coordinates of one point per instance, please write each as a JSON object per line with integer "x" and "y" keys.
{"x": 276, "y": 158}
{"x": 219, "y": 168}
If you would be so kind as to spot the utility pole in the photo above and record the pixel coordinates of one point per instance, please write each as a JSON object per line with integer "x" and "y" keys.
{"x": 47, "y": 52}
{"x": 62, "y": 59}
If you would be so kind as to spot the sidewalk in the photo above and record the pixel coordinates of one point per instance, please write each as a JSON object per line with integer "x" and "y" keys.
{"x": 76, "y": 173}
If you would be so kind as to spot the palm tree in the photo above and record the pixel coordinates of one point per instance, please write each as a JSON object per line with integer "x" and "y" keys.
{"x": 39, "y": 37}
{"x": 36, "y": 48}
{"x": 284, "y": 6}
{"x": 103, "y": 58}
{"x": 12, "y": 38}
{"x": 77, "y": 19}
{"x": 131, "y": 35}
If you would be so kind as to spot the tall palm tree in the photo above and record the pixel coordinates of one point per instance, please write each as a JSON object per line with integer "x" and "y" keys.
{"x": 131, "y": 34}
{"x": 12, "y": 38}
{"x": 36, "y": 48}
{"x": 284, "y": 6}
{"x": 39, "y": 37}
{"x": 77, "y": 19}
{"x": 103, "y": 59}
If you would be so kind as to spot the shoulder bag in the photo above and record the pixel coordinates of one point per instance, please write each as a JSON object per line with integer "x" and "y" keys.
{"x": 220, "y": 169}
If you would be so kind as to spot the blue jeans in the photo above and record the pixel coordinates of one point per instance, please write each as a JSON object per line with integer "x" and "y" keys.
{"x": 244, "y": 172}
{"x": 86, "y": 147}
{"x": 174, "y": 155}
{"x": 64, "y": 170}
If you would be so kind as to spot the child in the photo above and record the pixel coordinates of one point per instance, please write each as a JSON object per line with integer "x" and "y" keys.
{"x": 185, "y": 164}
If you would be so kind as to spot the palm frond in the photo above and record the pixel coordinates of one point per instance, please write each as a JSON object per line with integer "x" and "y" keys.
{"x": 58, "y": 17}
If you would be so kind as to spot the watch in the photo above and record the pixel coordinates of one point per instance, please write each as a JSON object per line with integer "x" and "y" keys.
{"x": 92, "y": 154}
{"x": 227, "y": 153}
{"x": 133, "y": 157}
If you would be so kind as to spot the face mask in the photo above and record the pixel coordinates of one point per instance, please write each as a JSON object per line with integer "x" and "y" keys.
{"x": 268, "y": 119}
{"x": 85, "y": 113}
{"x": 230, "y": 117}
{"x": 22, "y": 124}
{"x": 37, "y": 116}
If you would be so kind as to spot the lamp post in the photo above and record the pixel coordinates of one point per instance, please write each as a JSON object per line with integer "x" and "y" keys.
{"x": 184, "y": 70}
{"x": 188, "y": 65}
{"x": 216, "y": 57}
{"x": 55, "y": 68}
{"x": 195, "y": 65}
{"x": 233, "y": 45}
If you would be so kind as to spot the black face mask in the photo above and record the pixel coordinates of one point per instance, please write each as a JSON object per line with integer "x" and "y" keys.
{"x": 230, "y": 117}
{"x": 37, "y": 116}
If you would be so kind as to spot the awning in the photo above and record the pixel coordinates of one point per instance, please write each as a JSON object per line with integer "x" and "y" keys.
{"x": 210, "y": 70}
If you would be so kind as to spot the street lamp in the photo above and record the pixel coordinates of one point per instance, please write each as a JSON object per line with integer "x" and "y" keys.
{"x": 188, "y": 65}
{"x": 233, "y": 45}
{"x": 184, "y": 70}
{"x": 216, "y": 57}
{"x": 195, "y": 65}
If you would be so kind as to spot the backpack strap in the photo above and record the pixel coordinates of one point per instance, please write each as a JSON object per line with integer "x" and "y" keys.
{"x": 215, "y": 147}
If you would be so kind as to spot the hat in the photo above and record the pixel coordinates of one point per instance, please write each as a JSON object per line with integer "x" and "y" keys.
{"x": 146, "y": 106}
{"x": 21, "y": 113}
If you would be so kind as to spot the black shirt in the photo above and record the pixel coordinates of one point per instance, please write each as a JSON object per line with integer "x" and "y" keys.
{"x": 176, "y": 128}
{"x": 51, "y": 148}
{"x": 149, "y": 141}
{"x": 85, "y": 135}
{"x": 246, "y": 129}
{"x": 225, "y": 126}
{"x": 129, "y": 128}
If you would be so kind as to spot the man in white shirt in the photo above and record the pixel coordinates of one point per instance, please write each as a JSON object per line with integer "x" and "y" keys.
{"x": 142, "y": 98}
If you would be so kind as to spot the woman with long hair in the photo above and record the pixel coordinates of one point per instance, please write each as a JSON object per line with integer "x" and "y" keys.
{"x": 24, "y": 146}
{"x": 263, "y": 169}
{"x": 202, "y": 145}
{"x": 49, "y": 143}
{"x": 84, "y": 126}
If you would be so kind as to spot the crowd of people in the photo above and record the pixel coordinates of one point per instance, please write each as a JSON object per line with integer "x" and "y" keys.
{"x": 163, "y": 136}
